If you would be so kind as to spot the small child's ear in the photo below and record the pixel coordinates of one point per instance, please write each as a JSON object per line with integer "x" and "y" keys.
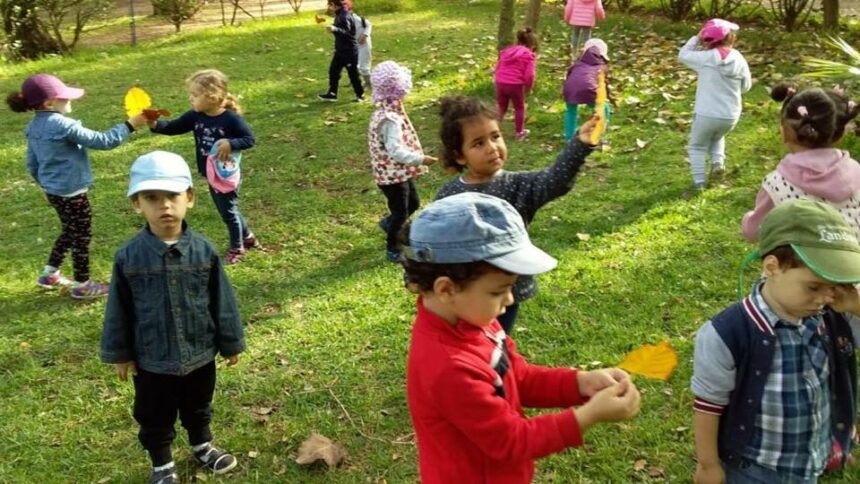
{"x": 136, "y": 204}
{"x": 444, "y": 288}
{"x": 769, "y": 265}
{"x": 192, "y": 197}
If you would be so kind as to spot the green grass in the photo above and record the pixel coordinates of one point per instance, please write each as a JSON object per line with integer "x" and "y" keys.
{"x": 327, "y": 321}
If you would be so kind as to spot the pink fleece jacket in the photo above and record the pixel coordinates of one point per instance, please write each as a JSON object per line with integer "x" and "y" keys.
{"x": 516, "y": 66}
{"x": 583, "y": 13}
{"x": 827, "y": 174}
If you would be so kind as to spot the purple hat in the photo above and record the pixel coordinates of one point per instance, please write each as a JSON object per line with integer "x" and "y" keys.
{"x": 42, "y": 87}
{"x": 390, "y": 82}
{"x": 717, "y": 29}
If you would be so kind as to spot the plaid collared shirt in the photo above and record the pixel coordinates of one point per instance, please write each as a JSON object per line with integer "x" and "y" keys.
{"x": 792, "y": 429}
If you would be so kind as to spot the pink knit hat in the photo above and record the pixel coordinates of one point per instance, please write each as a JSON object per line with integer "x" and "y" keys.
{"x": 390, "y": 82}
{"x": 717, "y": 29}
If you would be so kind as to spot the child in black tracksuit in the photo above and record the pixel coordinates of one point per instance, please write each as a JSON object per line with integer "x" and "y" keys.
{"x": 345, "y": 52}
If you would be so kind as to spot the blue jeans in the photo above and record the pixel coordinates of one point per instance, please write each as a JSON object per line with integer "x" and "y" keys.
{"x": 571, "y": 118}
{"x": 228, "y": 207}
{"x": 748, "y": 472}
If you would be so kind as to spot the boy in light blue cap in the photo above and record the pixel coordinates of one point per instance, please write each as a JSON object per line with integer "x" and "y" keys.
{"x": 170, "y": 309}
{"x": 466, "y": 384}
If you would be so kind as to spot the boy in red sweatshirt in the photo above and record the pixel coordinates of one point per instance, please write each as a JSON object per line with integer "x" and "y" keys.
{"x": 466, "y": 384}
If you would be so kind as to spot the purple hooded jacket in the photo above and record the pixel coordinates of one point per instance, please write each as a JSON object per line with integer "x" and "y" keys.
{"x": 580, "y": 87}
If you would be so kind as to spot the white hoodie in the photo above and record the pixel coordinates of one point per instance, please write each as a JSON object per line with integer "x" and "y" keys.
{"x": 722, "y": 79}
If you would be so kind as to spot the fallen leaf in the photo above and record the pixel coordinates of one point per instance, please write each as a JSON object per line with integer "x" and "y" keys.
{"x": 653, "y": 361}
{"x": 252, "y": 454}
{"x": 659, "y": 120}
{"x": 103, "y": 480}
{"x": 582, "y": 236}
{"x": 640, "y": 464}
{"x": 318, "y": 447}
{"x": 655, "y": 472}
{"x": 641, "y": 143}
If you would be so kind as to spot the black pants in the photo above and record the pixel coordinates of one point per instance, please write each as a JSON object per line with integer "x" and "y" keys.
{"x": 157, "y": 399}
{"x": 508, "y": 319}
{"x": 76, "y": 218}
{"x": 402, "y": 202}
{"x": 338, "y": 62}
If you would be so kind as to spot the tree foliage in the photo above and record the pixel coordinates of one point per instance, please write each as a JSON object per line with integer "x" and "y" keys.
{"x": 34, "y": 28}
{"x": 177, "y": 11}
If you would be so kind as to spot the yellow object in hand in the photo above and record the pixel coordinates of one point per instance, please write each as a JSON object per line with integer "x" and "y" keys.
{"x": 599, "y": 108}
{"x": 136, "y": 100}
{"x": 654, "y": 361}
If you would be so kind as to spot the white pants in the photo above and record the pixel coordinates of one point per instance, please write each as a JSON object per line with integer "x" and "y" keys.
{"x": 708, "y": 136}
{"x": 364, "y": 58}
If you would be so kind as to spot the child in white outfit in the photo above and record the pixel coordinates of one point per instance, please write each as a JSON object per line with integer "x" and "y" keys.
{"x": 723, "y": 76}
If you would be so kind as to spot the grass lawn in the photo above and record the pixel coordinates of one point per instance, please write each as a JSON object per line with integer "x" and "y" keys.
{"x": 327, "y": 321}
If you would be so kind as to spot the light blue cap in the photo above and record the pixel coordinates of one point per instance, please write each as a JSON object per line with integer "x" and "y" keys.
{"x": 159, "y": 170}
{"x": 471, "y": 227}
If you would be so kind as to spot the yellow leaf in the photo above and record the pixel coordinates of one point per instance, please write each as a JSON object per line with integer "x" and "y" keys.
{"x": 653, "y": 361}
{"x": 599, "y": 103}
{"x": 136, "y": 100}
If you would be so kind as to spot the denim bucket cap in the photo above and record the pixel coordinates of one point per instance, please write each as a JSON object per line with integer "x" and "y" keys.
{"x": 471, "y": 227}
{"x": 159, "y": 170}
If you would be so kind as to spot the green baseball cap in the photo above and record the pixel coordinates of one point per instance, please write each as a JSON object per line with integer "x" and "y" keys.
{"x": 819, "y": 235}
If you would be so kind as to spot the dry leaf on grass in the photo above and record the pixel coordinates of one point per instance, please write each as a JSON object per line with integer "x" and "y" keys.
{"x": 318, "y": 447}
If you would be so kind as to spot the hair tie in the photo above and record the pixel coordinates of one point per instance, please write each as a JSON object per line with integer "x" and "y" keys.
{"x": 802, "y": 111}
{"x": 20, "y": 95}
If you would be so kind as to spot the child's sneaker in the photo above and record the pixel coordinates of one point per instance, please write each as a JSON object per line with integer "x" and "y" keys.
{"x": 164, "y": 476}
{"x": 718, "y": 169}
{"x": 392, "y": 255}
{"x": 358, "y": 99}
{"x": 329, "y": 97}
{"x": 88, "y": 290}
{"x": 250, "y": 241}
{"x": 522, "y": 135}
{"x": 215, "y": 459}
{"x": 233, "y": 256}
{"x": 53, "y": 280}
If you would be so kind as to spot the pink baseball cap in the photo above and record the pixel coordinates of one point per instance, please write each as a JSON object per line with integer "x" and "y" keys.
{"x": 716, "y": 29}
{"x": 42, "y": 87}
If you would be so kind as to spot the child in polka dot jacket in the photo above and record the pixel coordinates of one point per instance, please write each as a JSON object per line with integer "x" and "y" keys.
{"x": 395, "y": 151}
{"x": 813, "y": 121}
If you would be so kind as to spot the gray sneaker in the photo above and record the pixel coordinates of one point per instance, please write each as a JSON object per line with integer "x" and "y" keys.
{"x": 215, "y": 459}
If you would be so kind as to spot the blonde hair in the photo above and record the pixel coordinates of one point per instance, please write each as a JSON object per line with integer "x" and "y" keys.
{"x": 213, "y": 84}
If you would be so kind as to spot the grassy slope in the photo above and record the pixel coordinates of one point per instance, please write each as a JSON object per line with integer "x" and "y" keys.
{"x": 327, "y": 323}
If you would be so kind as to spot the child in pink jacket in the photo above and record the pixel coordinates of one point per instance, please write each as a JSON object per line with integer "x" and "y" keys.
{"x": 515, "y": 77}
{"x": 813, "y": 121}
{"x": 582, "y": 15}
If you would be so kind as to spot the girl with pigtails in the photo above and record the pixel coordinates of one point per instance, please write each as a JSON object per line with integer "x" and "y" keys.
{"x": 812, "y": 123}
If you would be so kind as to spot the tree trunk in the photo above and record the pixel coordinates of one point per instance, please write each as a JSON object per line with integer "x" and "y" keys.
{"x": 506, "y": 24}
{"x": 533, "y": 14}
{"x": 831, "y": 14}
{"x": 25, "y": 31}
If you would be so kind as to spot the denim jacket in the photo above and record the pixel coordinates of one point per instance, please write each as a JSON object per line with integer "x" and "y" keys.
{"x": 170, "y": 308}
{"x": 57, "y": 151}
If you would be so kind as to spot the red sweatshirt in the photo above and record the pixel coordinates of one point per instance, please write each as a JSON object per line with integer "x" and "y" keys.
{"x": 469, "y": 427}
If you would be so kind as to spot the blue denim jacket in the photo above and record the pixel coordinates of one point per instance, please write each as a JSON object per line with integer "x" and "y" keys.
{"x": 57, "y": 151}
{"x": 170, "y": 308}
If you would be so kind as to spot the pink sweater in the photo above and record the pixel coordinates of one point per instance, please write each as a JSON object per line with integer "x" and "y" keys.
{"x": 516, "y": 66}
{"x": 583, "y": 13}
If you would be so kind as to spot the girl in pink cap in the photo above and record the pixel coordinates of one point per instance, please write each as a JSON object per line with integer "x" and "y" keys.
{"x": 57, "y": 159}
{"x": 395, "y": 151}
{"x": 582, "y": 15}
{"x": 723, "y": 76}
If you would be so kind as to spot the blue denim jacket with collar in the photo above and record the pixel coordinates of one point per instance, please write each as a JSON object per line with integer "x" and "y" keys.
{"x": 57, "y": 151}
{"x": 170, "y": 308}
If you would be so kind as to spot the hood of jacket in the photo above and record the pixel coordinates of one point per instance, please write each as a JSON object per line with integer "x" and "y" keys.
{"x": 592, "y": 57}
{"x": 730, "y": 65}
{"x": 514, "y": 53}
{"x": 828, "y": 173}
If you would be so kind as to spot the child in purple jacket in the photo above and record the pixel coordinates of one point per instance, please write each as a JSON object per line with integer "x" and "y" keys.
{"x": 580, "y": 87}
{"x": 515, "y": 77}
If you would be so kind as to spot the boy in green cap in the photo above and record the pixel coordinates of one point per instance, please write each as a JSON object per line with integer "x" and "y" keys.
{"x": 775, "y": 376}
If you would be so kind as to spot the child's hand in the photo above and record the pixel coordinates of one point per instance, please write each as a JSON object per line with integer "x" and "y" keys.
{"x": 329, "y": 28}
{"x": 122, "y": 370}
{"x": 224, "y": 149}
{"x": 429, "y": 160}
{"x": 846, "y": 299}
{"x": 138, "y": 121}
{"x": 617, "y": 402}
{"x": 232, "y": 360}
{"x": 362, "y": 39}
{"x": 713, "y": 474}
{"x": 591, "y": 382}
{"x": 587, "y": 128}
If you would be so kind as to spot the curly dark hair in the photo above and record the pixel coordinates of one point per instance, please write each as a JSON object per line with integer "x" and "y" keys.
{"x": 455, "y": 112}
{"x": 816, "y": 117}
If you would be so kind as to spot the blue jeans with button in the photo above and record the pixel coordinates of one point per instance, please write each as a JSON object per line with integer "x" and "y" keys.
{"x": 228, "y": 207}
